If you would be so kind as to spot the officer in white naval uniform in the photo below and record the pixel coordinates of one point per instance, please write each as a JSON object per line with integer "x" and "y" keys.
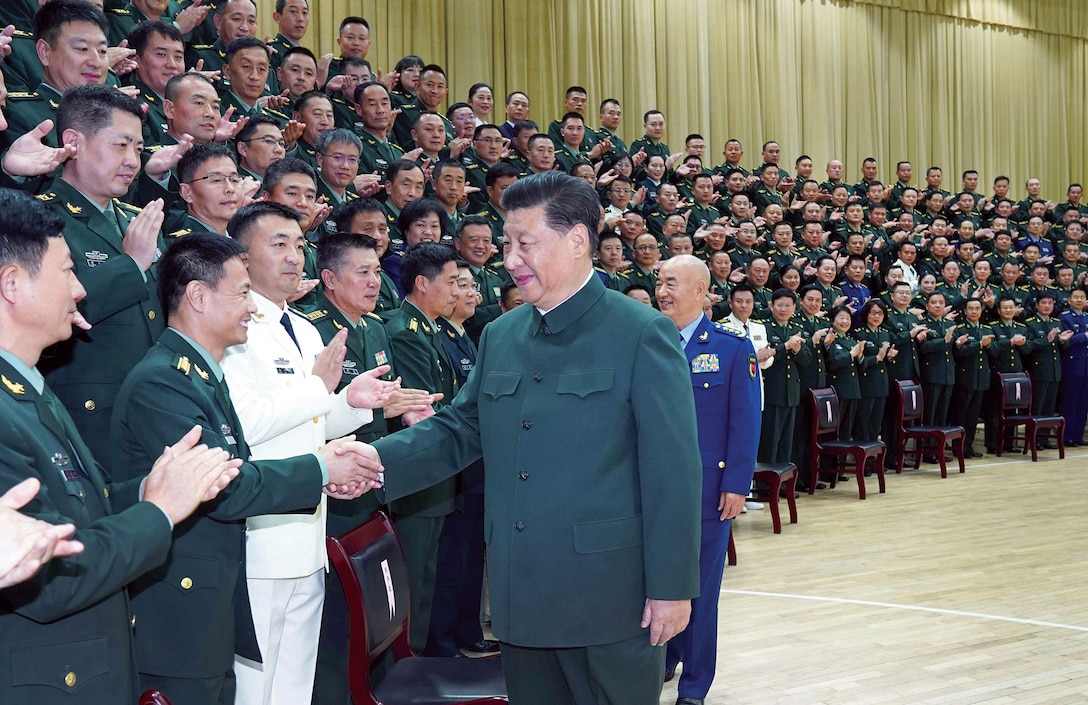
{"x": 278, "y": 384}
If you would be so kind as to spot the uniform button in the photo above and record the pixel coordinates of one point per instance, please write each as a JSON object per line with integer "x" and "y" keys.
{"x": 106, "y": 492}
{"x": 89, "y": 405}
{"x": 721, "y": 464}
{"x": 132, "y": 621}
{"x": 706, "y": 385}
{"x": 523, "y": 475}
{"x": 538, "y": 377}
{"x": 150, "y": 315}
{"x": 315, "y": 419}
{"x": 70, "y": 679}
{"x": 520, "y": 526}
{"x": 526, "y": 424}
{"x": 186, "y": 583}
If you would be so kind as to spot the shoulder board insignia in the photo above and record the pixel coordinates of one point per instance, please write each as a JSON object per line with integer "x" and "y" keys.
{"x": 316, "y": 315}
{"x": 22, "y": 95}
{"x": 727, "y": 326}
{"x": 13, "y": 387}
{"x": 183, "y": 365}
{"x": 276, "y": 113}
{"x": 46, "y": 196}
{"x": 413, "y": 325}
{"x": 119, "y": 11}
{"x": 127, "y": 206}
{"x": 202, "y": 373}
{"x": 21, "y": 33}
{"x": 178, "y": 233}
{"x": 339, "y": 101}
{"x": 153, "y": 148}
{"x": 202, "y": 46}
{"x": 338, "y": 325}
{"x": 75, "y": 210}
{"x": 471, "y": 165}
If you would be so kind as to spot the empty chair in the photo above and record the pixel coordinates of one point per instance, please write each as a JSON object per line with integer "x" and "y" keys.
{"x": 1015, "y": 412}
{"x": 909, "y": 415}
{"x": 777, "y": 477}
{"x": 370, "y": 564}
{"x": 824, "y": 432}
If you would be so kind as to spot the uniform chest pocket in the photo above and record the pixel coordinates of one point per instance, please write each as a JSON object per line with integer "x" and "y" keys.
{"x": 500, "y": 384}
{"x": 585, "y": 382}
{"x": 707, "y": 380}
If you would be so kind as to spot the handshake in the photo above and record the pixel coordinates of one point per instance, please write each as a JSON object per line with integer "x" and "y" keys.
{"x": 354, "y": 468}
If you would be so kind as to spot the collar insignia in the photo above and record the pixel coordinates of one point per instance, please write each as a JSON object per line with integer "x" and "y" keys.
{"x": 75, "y": 210}
{"x": 13, "y": 387}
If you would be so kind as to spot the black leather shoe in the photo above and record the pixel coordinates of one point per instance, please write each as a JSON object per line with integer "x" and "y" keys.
{"x": 481, "y": 649}
{"x": 670, "y": 673}
{"x": 689, "y": 701}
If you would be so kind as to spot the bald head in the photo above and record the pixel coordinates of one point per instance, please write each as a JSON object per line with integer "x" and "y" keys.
{"x": 682, "y": 284}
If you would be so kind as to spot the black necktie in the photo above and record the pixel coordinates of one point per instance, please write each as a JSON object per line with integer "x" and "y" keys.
{"x": 285, "y": 321}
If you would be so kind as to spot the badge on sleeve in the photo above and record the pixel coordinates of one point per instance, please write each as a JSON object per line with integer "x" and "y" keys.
{"x": 752, "y": 366}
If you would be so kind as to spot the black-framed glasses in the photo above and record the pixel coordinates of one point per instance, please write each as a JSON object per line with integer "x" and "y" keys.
{"x": 217, "y": 179}
{"x": 268, "y": 141}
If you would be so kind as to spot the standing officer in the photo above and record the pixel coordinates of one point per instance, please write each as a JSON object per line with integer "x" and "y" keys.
{"x": 1009, "y": 346}
{"x": 723, "y": 369}
{"x": 1074, "y": 394}
{"x": 1045, "y": 365}
{"x": 786, "y": 341}
{"x": 67, "y": 630}
{"x": 613, "y": 522}
{"x": 972, "y": 352}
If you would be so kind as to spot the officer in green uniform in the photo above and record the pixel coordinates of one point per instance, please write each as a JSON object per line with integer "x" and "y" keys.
{"x": 653, "y": 122}
{"x": 473, "y": 243}
{"x": 486, "y": 152}
{"x": 973, "y": 351}
{"x": 125, "y": 19}
{"x": 611, "y": 114}
{"x": 114, "y": 247}
{"x": 374, "y": 106}
{"x": 782, "y": 380}
{"x": 160, "y": 55}
{"x": 499, "y": 178}
{"x": 245, "y": 70}
{"x": 873, "y": 379}
{"x": 938, "y": 371}
{"x": 557, "y": 495}
{"x": 68, "y": 629}
{"x": 22, "y": 69}
{"x": 350, "y": 274}
{"x": 197, "y": 595}
{"x": 810, "y": 376}
{"x": 1011, "y": 342}
{"x": 293, "y": 19}
{"x": 428, "y": 276}
{"x": 844, "y": 358}
{"x": 902, "y": 326}
{"x": 228, "y": 20}
{"x": 1045, "y": 363}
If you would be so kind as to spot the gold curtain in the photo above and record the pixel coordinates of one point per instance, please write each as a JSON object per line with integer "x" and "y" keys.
{"x": 993, "y": 85}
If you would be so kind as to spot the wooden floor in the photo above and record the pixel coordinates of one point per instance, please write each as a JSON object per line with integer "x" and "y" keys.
{"x": 968, "y": 590}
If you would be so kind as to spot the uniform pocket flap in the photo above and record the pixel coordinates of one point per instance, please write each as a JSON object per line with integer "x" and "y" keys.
{"x": 64, "y": 666}
{"x": 585, "y": 382}
{"x": 500, "y": 384}
{"x": 611, "y": 535}
{"x": 188, "y": 573}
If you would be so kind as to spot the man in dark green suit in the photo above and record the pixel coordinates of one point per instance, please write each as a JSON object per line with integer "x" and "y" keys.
{"x": 198, "y": 596}
{"x": 428, "y": 276}
{"x": 114, "y": 247}
{"x": 67, "y": 630}
{"x": 613, "y": 522}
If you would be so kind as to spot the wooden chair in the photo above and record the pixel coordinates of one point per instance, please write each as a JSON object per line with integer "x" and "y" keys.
{"x": 371, "y": 566}
{"x": 154, "y": 697}
{"x": 776, "y": 477}
{"x": 824, "y": 434}
{"x": 908, "y": 418}
{"x": 1016, "y": 411}
{"x": 731, "y": 554}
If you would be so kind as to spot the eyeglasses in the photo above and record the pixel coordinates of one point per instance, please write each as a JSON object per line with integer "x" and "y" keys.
{"x": 217, "y": 179}
{"x": 341, "y": 159}
{"x": 268, "y": 141}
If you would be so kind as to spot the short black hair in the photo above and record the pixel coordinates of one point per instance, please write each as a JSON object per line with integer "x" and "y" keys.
{"x": 89, "y": 109}
{"x": 26, "y": 224}
{"x": 197, "y": 256}
{"x": 221, "y": 8}
{"x": 52, "y": 16}
{"x": 275, "y": 172}
{"x": 173, "y": 86}
{"x": 394, "y": 169}
{"x": 414, "y": 210}
{"x": 353, "y": 19}
{"x": 140, "y": 36}
{"x": 249, "y": 130}
{"x": 333, "y": 249}
{"x": 198, "y": 154}
{"x": 347, "y": 213}
{"x": 243, "y": 223}
{"x": 242, "y": 43}
{"x": 307, "y": 98}
{"x": 523, "y": 125}
{"x": 470, "y": 220}
{"x": 476, "y": 134}
{"x": 454, "y": 108}
{"x": 281, "y": 5}
{"x": 502, "y": 170}
{"x": 293, "y": 51}
{"x": 447, "y": 164}
{"x": 426, "y": 259}
{"x": 783, "y": 293}
{"x": 361, "y": 88}
{"x": 567, "y": 201}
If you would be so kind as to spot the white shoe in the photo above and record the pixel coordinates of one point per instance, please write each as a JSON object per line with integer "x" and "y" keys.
{"x": 749, "y": 504}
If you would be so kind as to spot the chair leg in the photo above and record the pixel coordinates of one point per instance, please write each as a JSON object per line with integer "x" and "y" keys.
{"x": 957, "y": 450}
{"x": 813, "y": 471}
{"x": 1061, "y": 440}
{"x": 880, "y": 470}
{"x": 1000, "y": 438}
{"x": 940, "y": 457}
{"x": 902, "y": 451}
{"x": 774, "y": 484}
{"x": 1031, "y": 438}
{"x": 859, "y": 472}
{"x": 791, "y": 497}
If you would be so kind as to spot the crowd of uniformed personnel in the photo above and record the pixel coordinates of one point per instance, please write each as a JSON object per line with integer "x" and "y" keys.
{"x": 850, "y": 285}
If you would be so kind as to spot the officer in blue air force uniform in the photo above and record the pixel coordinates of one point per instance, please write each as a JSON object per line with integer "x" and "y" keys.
{"x": 723, "y": 368}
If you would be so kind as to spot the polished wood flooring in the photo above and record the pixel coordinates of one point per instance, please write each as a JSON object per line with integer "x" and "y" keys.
{"x": 972, "y": 590}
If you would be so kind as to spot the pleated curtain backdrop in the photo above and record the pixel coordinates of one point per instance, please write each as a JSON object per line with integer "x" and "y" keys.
{"x": 993, "y": 85}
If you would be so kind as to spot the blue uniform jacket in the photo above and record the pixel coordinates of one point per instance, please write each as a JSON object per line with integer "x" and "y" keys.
{"x": 1075, "y": 350}
{"x": 724, "y": 379}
